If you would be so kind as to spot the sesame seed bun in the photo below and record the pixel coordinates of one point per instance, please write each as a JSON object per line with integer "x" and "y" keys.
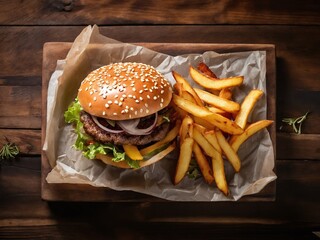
{"x": 122, "y": 91}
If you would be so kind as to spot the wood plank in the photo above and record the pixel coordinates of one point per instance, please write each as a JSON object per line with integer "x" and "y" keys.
{"x": 298, "y": 180}
{"x": 70, "y": 12}
{"x": 298, "y": 91}
{"x": 154, "y": 231}
{"x": 26, "y": 110}
{"x": 293, "y": 146}
{"x": 27, "y": 140}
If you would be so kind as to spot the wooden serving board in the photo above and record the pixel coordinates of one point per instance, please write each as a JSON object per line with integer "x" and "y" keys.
{"x": 53, "y": 51}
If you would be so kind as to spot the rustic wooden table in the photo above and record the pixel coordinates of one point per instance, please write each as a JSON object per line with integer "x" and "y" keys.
{"x": 291, "y": 26}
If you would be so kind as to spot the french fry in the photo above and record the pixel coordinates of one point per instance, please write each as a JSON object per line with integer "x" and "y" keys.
{"x": 216, "y": 110}
{"x": 212, "y": 139}
{"x": 237, "y": 140}
{"x": 172, "y": 134}
{"x": 219, "y": 173}
{"x": 185, "y": 85}
{"x": 203, "y": 142}
{"x": 184, "y": 159}
{"x": 226, "y": 93}
{"x": 185, "y": 128}
{"x": 202, "y": 67}
{"x": 222, "y": 103}
{"x": 247, "y": 106}
{"x": 203, "y": 122}
{"x": 207, "y": 82}
{"x": 188, "y": 96}
{"x": 203, "y": 164}
{"x": 177, "y": 87}
{"x": 221, "y": 122}
{"x": 228, "y": 151}
{"x": 133, "y": 152}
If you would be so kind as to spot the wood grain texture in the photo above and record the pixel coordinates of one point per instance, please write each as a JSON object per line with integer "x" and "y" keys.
{"x": 296, "y": 180}
{"x": 76, "y": 12}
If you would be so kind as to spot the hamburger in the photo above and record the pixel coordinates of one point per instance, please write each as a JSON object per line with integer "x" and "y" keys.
{"x": 119, "y": 105}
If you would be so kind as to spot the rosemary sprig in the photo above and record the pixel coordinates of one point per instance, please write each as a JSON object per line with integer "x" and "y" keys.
{"x": 9, "y": 150}
{"x": 296, "y": 123}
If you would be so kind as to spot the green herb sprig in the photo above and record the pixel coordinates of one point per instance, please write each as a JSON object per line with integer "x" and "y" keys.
{"x": 9, "y": 151}
{"x": 296, "y": 123}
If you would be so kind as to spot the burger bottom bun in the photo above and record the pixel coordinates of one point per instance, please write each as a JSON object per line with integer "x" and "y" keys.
{"x": 108, "y": 159}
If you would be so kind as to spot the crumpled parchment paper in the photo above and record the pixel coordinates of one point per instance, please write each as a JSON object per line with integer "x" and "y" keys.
{"x": 91, "y": 50}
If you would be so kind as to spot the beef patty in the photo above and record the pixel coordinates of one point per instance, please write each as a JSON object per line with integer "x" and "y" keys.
{"x": 105, "y": 137}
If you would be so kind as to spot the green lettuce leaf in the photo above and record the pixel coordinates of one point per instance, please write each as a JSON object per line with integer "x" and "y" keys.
{"x": 85, "y": 143}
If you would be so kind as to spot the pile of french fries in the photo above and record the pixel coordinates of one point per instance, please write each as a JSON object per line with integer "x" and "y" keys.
{"x": 213, "y": 126}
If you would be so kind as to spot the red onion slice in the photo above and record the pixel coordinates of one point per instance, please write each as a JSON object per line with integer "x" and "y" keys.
{"x": 95, "y": 119}
{"x": 130, "y": 126}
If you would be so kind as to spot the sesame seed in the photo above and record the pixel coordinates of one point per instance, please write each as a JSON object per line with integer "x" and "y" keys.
{"x": 103, "y": 113}
{"x": 114, "y": 113}
{"x": 137, "y": 101}
{"x": 90, "y": 104}
{"x": 109, "y": 102}
{"x": 94, "y": 98}
{"x": 155, "y": 98}
{"x": 106, "y": 105}
{"x": 135, "y": 113}
{"x": 148, "y": 96}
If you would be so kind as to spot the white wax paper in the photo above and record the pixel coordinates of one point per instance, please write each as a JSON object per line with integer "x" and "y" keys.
{"x": 91, "y": 50}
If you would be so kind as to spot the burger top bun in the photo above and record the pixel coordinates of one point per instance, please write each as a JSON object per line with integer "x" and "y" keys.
{"x": 122, "y": 91}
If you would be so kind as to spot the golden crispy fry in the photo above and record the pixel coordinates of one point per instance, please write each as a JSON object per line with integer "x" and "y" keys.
{"x": 202, "y": 67}
{"x": 177, "y": 88}
{"x": 184, "y": 159}
{"x": 185, "y": 128}
{"x": 228, "y": 151}
{"x": 172, "y": 134}
{"x": 221, "y": 122}
{"x": 188, "y": 96}
{"x": 226, "y": 93}
{"x": 133, "y": 152}
{"x": 219, "y": 173}
{"x": 209, "y": 135}
{"x": 187, "y": 87}
{"x": 203, "y": 164}
{"x": 227, "y": 105}
{"x": 237, "y": 140}
{"x": 207, "y": 82}
{"x": 203, "y": 122}
{"x": 247, "y": 106}
{"x": 212, "y": 139}
{"x": 203, "y": 142}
